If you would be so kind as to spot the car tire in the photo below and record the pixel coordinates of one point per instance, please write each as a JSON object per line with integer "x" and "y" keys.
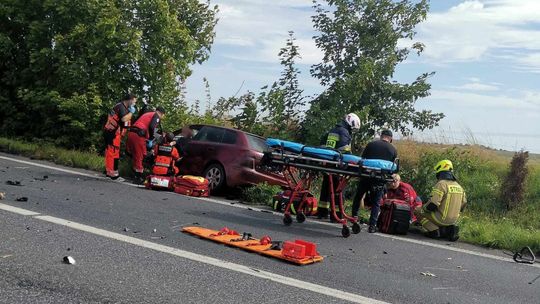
{"x": 215, "y": 174}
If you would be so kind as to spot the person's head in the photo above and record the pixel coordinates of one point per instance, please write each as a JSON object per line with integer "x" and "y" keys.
{"x": 442, "y": 167}
{"x": 386, "y": 135}
{"x": 396, "y": 179}
{"x": 353, "y": 121}
{"x": 187, "y": 132}
{"x": 160, "y": 111}
{"x": 129, "y": 99}
{"x": 169, "y": 137}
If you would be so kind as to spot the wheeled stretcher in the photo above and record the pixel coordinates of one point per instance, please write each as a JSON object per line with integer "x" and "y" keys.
{"x": 301, "y": 164}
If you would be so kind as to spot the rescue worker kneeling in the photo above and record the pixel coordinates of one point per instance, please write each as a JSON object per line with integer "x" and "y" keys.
{"x": 440, "y": 214}
{"x": 166, "y": 156}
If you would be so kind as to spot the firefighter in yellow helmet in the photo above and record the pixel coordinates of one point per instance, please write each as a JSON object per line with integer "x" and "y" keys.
{"x": 439, "y": 214}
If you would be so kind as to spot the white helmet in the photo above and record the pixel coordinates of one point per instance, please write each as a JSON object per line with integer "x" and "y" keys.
{"x": 353, "y": 120}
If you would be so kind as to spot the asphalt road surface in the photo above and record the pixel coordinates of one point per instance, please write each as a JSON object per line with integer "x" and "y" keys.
{"x": 128, "y": 248}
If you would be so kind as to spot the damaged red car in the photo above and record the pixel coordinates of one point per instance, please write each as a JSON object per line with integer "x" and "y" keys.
{"x": 226, "y": 157}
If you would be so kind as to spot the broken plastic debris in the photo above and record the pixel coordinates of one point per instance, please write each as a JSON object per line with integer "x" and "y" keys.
{"x": 69, "y": 260}
{"x": 22, "y": 199}
{"x": 428, "y": 274}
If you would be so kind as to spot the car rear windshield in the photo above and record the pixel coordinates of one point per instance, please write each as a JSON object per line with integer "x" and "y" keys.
{"x": 256, "y": 143}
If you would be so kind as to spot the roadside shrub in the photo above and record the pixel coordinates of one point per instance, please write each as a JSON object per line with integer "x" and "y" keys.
{"x": 513, "y": 188}
{"x": 260, "y": 194}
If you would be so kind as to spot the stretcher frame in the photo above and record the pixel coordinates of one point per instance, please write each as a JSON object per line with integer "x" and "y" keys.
{"x": 310, "y": 167}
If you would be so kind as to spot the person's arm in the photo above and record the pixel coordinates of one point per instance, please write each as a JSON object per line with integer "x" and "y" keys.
{"x": 124, "y": 113}
{"x": 436, "y": 198}
{"x": 153, "y": 127}
{"x": 464, "y": 202}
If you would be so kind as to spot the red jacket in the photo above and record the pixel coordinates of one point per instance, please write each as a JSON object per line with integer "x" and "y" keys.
{"x": 149, "y": 123}
{"x": 405, "y": 192}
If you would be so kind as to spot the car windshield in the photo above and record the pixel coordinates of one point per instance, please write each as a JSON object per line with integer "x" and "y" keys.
{"x": 257, "y": 143}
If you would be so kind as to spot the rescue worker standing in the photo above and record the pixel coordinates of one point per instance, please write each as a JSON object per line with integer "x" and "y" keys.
{"x": 118, "y": 120}
{"x": 439, "y": 215}
{"x": 165, "y": 157}
{"x": 141, "y": 137}
{"x": 377, "y": 149}
{"x": 338, "y": 138}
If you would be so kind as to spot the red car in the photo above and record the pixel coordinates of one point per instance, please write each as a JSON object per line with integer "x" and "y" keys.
{"x": 226, "y": 157}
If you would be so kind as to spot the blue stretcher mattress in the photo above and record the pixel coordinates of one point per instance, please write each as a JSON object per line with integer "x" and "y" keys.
{"x": 287, "y": 145}
{"x": 328, "y": 154}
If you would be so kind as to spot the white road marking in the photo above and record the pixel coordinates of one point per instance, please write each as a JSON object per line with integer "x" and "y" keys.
{"x": 320, "y": 289}
{"x": 17, "y": 210}
{"x": 241, "y": 206}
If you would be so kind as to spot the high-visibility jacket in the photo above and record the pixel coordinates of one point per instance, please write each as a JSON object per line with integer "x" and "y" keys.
{"x": 114, "y": 118}
{"x": 164, "y": 161}
{"x": 450, "y": 199}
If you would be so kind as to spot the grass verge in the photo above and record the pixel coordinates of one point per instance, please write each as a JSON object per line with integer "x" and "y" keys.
{"x": 70, "y": 158}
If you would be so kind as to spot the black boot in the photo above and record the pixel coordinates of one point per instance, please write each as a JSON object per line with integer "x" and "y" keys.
{"x": 137, "y": 178}
{"x": 435, "y": 234}
{"x": 322, "y": 213}
{"x": 452, "y": 233}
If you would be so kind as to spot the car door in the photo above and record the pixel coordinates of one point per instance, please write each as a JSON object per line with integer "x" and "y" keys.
{"x": 202, "y": 148}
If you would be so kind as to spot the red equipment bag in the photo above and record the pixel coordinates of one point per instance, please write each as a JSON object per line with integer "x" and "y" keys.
{"x": 280, "y": 201}
{"x": 395, "y": 217}
{"x": 159, "y": 182}
{"x": 191, "y": 185}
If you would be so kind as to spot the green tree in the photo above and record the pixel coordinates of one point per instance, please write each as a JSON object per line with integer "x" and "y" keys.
{"x": 359, "y": 39}
{"x": 65, "y": 63}
{"x": 282, "y": 103}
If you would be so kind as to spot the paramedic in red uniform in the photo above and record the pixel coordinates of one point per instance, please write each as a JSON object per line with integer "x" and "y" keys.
{"x": 402, "y": 191}
{"x": 166, "y": 156}
{"x": 118, "y": 121}
{"x": 141, "y": 137}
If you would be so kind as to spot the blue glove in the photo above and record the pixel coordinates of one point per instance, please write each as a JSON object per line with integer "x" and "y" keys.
{"x": 132, "y": 109}
{"x": 149, "y": 144}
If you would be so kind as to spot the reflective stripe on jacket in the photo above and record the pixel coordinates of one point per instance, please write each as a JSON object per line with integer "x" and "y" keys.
{"x": 450, "y": 199}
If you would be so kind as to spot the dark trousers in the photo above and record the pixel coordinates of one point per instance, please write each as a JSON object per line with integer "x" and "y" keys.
{"x": 375, "y": 191}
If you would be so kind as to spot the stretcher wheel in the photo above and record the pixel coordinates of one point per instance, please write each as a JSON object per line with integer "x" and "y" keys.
{"x": 300, "y": 217}
{"x": 345, "y": 232}
{"x": 356, "y": 228}
{"x": 287, "y": 220}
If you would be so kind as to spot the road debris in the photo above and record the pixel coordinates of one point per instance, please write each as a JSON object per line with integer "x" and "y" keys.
{"x": 384, "y": 252}
{"x": 69, "y": 260}
{"x": 526, "y": 255}
{"x": 428, "y": 274}
{"x": 126, "y": 229}
{"x": 6, "y": 256}
{"x": 2, "y": 195}
{"x": 13, "y": 183}
{"x": 154, "y": 231}
{"x": 531, "y": 282}
{"x": 22, "y": 199}
{"x": 44, "y": 178}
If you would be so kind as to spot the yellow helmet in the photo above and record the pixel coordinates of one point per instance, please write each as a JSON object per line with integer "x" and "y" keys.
{"x": 443, "y": 165}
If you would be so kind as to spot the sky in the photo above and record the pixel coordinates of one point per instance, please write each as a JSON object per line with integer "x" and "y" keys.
{"x": 485, "y": 55}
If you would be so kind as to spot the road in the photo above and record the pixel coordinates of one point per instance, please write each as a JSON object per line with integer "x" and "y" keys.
{"x": 80, "y": 214}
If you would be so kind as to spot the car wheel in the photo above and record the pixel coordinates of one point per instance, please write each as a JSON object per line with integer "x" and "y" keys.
{"x": 215, "y": 174}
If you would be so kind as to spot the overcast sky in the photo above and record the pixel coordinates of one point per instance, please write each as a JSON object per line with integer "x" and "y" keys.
{"x": 486, "y": 55}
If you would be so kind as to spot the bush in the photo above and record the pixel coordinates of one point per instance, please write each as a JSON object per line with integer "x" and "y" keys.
{"x": 260, "y": 194}
{"x": 513, "y": 188}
